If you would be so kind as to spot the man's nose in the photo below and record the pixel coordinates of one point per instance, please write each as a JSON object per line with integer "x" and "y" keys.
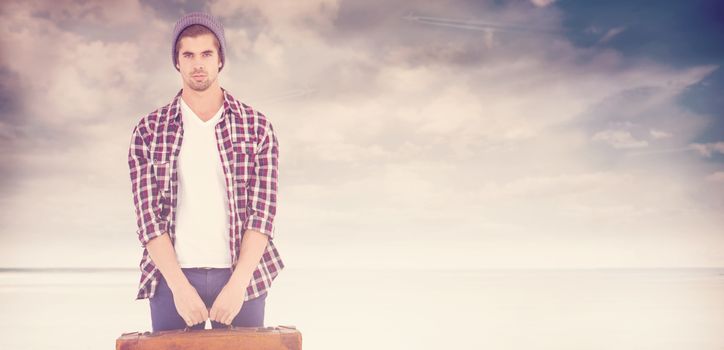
{"x": 198, "y": 63}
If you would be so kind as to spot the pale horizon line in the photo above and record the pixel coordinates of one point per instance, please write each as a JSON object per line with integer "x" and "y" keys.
{"x": 105, "y": 269}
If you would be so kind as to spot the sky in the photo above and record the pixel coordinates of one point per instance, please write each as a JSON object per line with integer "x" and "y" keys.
{"x": 412, "y": 134}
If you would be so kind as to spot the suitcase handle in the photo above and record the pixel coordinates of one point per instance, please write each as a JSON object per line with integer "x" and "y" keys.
{"x": 264, "y": 329}
{"x": 187, "y": 328}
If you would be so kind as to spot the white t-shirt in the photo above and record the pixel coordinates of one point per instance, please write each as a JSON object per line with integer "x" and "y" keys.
{"x": 202, "y": 222}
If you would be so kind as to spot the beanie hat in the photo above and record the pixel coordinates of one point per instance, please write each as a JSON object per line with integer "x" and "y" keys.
{"x": 205, "y": 20}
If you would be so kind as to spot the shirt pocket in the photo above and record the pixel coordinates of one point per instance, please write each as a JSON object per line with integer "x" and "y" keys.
{"x": 244, "y": 154}
{"x": 243, "y": 161}
{"x": 162, "y": 181}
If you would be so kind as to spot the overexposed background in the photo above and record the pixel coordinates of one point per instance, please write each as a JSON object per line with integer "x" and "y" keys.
{"x": 520, "y": 309}
{"x": 425, "y": 135}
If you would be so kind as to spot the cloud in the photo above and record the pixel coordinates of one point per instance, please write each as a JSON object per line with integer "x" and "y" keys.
{"x": 542, "y": 3}
{"x": 708, "y": 149}
{"x": 611, "y": 33}
{"x": 77, "y": 77}
{"x": 619, "y": 139}
{"x": 390, "y": 130}
{"x": 658, "y": 134}
{"x": 556, "y": 185}
{"x": 10, "y": 99}
{"x": 96, "y": 13}
{"x": 281, "y": 18}
{"x": 716, "y": 177}
{"x": 480, "y": 25}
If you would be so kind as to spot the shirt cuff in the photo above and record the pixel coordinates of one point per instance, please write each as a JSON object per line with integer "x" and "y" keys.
{"x": 151, "y": 231}
{"x": 263, "y": 225}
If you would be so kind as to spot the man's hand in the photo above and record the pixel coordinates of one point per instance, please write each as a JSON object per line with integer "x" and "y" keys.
{"x": 228, "y": 303}
{"x": 189, "y": 304}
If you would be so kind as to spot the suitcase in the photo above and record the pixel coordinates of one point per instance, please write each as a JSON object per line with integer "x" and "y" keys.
{"x": 236, "y": 338}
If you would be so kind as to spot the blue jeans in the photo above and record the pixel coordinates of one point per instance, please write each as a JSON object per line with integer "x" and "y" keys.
{"x": 208, "y": 283}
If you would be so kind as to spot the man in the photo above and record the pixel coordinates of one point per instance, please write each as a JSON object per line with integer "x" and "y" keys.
{"x": 204, "y": 181}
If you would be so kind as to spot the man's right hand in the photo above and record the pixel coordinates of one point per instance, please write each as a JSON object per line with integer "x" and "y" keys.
{"x": 189, "y": 304}
{"x": 187, "y": 300}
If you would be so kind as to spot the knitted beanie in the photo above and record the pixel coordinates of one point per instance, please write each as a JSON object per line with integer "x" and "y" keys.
{"x": 205, "y": 20}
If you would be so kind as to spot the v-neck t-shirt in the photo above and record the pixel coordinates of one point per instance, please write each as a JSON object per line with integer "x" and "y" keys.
{"x": 202, "y": 226}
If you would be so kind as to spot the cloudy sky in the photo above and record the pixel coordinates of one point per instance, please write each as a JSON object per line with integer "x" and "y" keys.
{"x": 413, "y": 134}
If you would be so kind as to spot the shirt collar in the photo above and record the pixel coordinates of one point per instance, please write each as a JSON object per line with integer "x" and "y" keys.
{"x": 230, "y": 106}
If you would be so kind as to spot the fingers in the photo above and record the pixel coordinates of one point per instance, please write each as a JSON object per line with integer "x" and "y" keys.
{"x": 219, "y": 315}
{"x": 213, "y": 313}
{"x": 196, "y": 316}
{"x": 223, "y": 316}
{"x": 190, "y": 322}
{"x": 190, "y": 307}
{"x": 202, "y": 313}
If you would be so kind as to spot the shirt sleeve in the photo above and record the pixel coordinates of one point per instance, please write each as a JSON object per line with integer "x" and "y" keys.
{"x": 144, "y": 188}
{"x": 262, "y": 189}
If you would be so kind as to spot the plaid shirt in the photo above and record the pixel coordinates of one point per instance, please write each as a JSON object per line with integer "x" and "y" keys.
{"x": 249, "y": 153}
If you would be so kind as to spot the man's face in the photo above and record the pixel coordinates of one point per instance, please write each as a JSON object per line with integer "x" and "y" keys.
{"x": 198, "y": 61}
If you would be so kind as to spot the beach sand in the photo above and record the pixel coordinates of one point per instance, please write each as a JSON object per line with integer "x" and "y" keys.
{"x": 658, "y": 309}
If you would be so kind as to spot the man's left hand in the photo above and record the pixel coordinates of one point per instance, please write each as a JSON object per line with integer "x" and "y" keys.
{"x": 228, "y": 303}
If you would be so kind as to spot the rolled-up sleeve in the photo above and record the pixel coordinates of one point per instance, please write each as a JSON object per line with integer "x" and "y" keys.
{"x": 144, "y": 188}
{"x": 262, "y": 189}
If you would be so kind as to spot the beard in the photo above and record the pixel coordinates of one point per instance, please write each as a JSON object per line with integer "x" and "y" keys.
{"x": 200, "y": 85}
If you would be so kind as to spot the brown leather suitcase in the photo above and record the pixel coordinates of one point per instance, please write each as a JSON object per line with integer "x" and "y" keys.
{"x": 236, "y": 338}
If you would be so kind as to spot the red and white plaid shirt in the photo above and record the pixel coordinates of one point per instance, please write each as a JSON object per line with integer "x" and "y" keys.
{"x": 249, "y": 153}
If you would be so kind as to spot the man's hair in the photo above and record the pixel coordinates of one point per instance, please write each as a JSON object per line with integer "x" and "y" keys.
{"x": 193, "y": 31}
